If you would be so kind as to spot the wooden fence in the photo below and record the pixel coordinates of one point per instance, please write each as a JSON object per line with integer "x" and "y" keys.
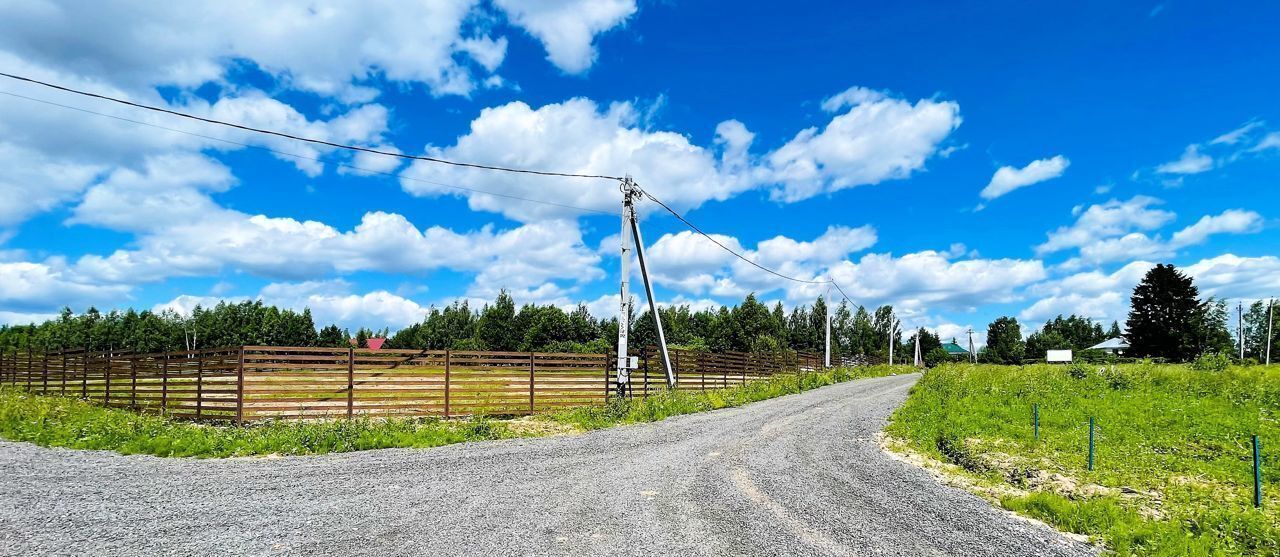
{"x": 712, "y": 370}
{"x": 252, "y": 383}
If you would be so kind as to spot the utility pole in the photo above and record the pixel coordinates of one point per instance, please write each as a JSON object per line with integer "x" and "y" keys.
{"x": 918, "y": 360}
{"x": 1270, "y": 318}
{"x": 972, "y": 354}
{"x": 631, "y": 192}
{"x": 624, "y": 305}
{"x": 893, "y": 328}
{"x": 1240, "y": 326}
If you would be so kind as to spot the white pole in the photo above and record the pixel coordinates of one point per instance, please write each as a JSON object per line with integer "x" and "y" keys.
{"x": 624, "y": 305}
{"x": 1270, "y": 318}
{"x": 918, "y": 359}
{"x": 828, "y": 342}
{"x": 1240, "y": 326}
{"x": 893, "y": 328}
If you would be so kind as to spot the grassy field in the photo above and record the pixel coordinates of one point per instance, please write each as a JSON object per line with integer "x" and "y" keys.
{"x": 1173, "y": 471}
{"x": 67, "y": 422}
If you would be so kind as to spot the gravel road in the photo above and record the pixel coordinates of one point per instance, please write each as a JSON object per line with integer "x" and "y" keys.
{"x": 797, "y": 475}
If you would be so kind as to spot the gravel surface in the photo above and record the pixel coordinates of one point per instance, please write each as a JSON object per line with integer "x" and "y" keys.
{"x": 797, "y": 475}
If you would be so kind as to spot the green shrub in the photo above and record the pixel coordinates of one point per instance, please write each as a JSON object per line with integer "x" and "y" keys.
{"x": 1078, "y": 371}
{"x": 936, "y": 357}
{"x": 1211, "y": 361}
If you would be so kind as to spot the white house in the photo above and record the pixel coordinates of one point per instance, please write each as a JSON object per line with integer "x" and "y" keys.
{"x": 1111, "y": 345}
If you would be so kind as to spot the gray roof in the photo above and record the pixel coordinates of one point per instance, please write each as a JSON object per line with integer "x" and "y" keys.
{"x": 1117, "y": 343}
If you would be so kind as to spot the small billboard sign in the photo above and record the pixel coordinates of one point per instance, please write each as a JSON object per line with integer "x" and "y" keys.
{"x": 1058, "y": 356}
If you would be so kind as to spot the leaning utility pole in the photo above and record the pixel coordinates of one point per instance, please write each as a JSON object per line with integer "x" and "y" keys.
{"x": 630, "y": 227}
{"x": 1270, "y": 318}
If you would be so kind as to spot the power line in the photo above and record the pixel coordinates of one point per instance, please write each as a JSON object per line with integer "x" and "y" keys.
{"x": 304, "y": 139}
{"x": 695, "y": 228}
{"x": 383, "y": 153}
{"x": 305, "y": 157}
{"x": 727, "y": 248}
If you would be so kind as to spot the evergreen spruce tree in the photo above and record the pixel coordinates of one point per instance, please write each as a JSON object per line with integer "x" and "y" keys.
{"x": 1165, "y": 315}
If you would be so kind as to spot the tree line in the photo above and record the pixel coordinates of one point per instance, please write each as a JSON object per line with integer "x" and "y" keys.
{"x": 750, "y": 326}
{"x": 1167, "y": 319}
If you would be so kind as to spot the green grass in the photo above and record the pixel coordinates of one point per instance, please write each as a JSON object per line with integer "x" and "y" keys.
{"x": 67, "y": 422}
{"x": 676, "y": 403}
{"x": 1173, "y": 449}
{"x": 55, "y": 421}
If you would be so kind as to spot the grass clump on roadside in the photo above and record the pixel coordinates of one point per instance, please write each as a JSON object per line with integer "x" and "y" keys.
{"x": 1173, "y": 467}
{"x": 67, "y": 422}
{"x": 675, "y": 403}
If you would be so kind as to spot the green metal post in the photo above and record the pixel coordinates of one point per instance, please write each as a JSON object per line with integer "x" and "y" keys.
{"x": 1090, "y": 443}
{"x": 1035, "y": 418}
{"x": 1257, "y": 473}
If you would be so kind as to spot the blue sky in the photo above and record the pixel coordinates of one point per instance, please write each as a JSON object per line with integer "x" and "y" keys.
{"x": 960, "y": 163}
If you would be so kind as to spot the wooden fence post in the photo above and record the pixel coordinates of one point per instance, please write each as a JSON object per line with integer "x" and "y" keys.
{"x": 446, "y": 382}
{"x": 240, "y": 389}
{"x": 28, "y": 366}
{"x": 63, "y": 357}
{"x": 531, "y": 382}
{"x": 645, "y": 353}
{"x": 351, "y": 381}
{"x": 84, "y": 374}
{"x": 164, "y": 383}
{"x": 133, "y": 382}
{"x": 106, "y": 381}
{"x": 44, "y": 365}
{"x": 199, "y": 386}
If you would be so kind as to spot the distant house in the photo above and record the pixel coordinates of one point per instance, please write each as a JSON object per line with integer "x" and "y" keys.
{"x": 955, "y": 350}
{"x": 1111, "y": 345}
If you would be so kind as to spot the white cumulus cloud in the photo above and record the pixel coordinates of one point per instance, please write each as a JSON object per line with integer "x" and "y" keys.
{"x": 1008, "y": 178}
{"x": 567, "y": 28}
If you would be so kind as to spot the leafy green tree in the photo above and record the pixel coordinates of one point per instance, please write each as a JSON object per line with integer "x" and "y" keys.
{"x": 1004, "y": 341}
{"x": 1209, "y": 330}
{"x": 884, "y": 323}
{"x": 936, "y": 357}
{"x": 1041, "y": 342}
{"x": 332, "y": 336}
{"x": 1256, "y": 322}
{"x": 496, "y": 328}
{"x": 751, "y": 321}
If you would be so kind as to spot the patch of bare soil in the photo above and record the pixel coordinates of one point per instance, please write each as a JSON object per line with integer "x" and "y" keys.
{"x": 530, "y": 426}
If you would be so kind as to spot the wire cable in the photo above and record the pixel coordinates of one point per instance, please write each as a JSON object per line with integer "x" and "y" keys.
{"x": 727, "y": 248}
{"x": 383, "y": 153}
{"x": 307, "y": 158}
{"x": 695, "y": 228}
{"x": 304, "y": 139}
